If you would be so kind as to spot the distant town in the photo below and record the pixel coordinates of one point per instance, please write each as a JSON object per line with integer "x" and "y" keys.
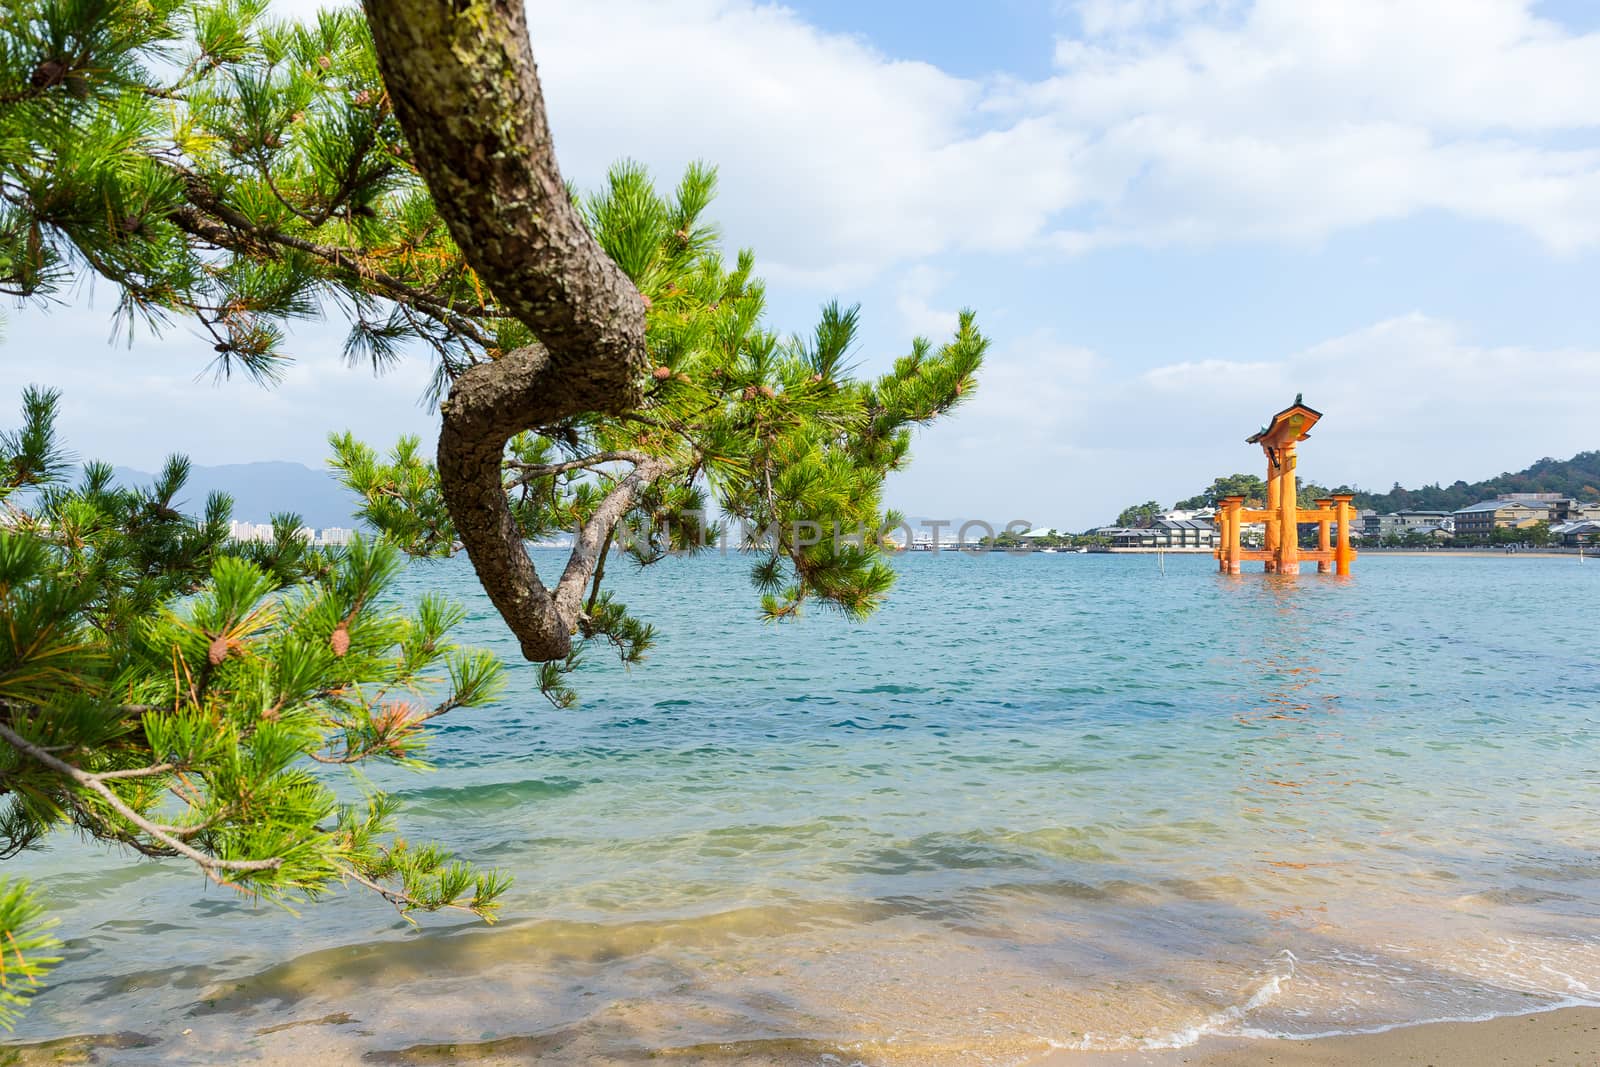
{"x": 1510, "y": 520}
{"x": 262, "y": 532}
{"x": 1529, "y": 520}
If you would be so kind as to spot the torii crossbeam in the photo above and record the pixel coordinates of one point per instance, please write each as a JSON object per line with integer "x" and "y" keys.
{"x": 1282, "y": 516}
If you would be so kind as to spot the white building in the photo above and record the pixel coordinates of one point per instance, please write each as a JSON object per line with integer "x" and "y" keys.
{"x": 250, "y": 531}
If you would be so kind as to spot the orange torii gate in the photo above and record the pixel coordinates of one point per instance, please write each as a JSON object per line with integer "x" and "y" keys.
{"x": 1282, "y": 552}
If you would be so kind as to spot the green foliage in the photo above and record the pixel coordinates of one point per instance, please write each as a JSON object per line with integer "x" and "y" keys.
{"x": 193, "y": 735}
{"x": 773, "y": 434}
{"x": 1011, "y": 540}
{"x": 1250, "y": 486}
{"x": 1140, "y": 515}
{"x": 171, "y": 694}
{"x": 25, "y": 947}
{"x": 30, "y": 456}
{"x": 227, "y": 168}
{"x": 400, "y": 495}
{"x": 239, "y": 172}
{"x": 1535, "y": 534}
{"x": 1577, "y": 477}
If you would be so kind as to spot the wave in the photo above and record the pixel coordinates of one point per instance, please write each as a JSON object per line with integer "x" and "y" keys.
{"x": 1214, "y": 1025}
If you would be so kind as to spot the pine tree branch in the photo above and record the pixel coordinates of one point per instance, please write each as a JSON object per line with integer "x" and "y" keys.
{"x": 212, "y": 221}
{"x": 596, "y": 533}
{"x": 462, "y": 78}
{"x": 137, "y": 772}
{"x": 527, "y": 472}
{"x": 212, "y": 866}
{"x": 402, "y": 901}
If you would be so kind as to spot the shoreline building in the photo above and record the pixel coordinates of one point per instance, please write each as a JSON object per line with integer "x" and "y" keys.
{"x": 1401, "y": 522}
{"x": 1175, "y": 534}
{"x": 262, "y": 533}
{"x": 1578, "y": 533}
{"x": 1515, "y": 511}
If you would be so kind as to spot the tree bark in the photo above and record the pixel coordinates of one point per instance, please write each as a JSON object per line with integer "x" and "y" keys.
{"x": 464, "y": 85}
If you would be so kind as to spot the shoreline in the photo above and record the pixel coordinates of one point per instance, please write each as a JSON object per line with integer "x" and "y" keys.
{"x": 1478, "y": 553}
{"x": 1561, "y": 1035}
{"x": 1566, "y": 1035}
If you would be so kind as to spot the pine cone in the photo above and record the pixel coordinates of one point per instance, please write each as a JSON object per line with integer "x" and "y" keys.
{"x": 218, "y": 650}
{"x": 393, "y": 715}
{"x": 340, "y": 641}
{"x": 662, "y": 373}
{"x": 48, "y": 74}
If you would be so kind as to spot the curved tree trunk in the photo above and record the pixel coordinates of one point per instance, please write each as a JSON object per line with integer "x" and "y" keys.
{"x": 466, "y": 90}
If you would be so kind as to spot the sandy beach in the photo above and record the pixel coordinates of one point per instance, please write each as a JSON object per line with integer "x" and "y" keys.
{"x": 1566, "y": 1036}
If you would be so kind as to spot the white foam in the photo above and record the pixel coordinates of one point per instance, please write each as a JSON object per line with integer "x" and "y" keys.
{"x": 1555, "y": 1005}
{"x": 1230, "y": 1021}
{"x": 1216, "y": 1024}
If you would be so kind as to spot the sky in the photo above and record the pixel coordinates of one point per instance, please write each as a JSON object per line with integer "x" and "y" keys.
{"x": 1170, "y": 216}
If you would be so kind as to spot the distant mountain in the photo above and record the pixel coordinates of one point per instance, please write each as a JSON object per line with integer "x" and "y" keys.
{"x": 1578, "y": 477}
{"x": 260, "y": 489}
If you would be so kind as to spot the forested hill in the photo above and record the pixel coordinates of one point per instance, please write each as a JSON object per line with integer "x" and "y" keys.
{"x": 1576, "y": 477}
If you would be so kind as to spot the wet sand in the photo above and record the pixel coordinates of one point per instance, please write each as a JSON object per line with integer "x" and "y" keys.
{"x": 1563, "y": 1037}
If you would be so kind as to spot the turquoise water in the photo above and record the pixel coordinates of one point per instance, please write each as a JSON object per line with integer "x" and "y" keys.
{"x": 1038, "y": 802}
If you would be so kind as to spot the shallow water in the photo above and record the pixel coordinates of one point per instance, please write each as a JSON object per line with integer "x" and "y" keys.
{"x": 1044, "y": 801}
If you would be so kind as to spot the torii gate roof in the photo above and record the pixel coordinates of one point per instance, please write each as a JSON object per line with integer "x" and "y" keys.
{"x": 1293, "y": 423}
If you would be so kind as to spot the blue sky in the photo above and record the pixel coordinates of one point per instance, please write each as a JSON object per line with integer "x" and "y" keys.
{"x": 1170, "y": 215}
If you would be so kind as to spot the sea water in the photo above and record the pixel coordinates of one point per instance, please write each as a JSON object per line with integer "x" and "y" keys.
{"x": 1037, "y": 802}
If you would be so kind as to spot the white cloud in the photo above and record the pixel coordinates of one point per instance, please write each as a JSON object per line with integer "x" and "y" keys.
{"x": 133, "y": 406}
{"x": 1019, "y": 442}
{"x": 836, "y": 159}
{"x": 1293, "y": 120}
{"x": 1167, "y": 121}
{"x": 1411, "y": 398}
{"x": 914, "y": 301}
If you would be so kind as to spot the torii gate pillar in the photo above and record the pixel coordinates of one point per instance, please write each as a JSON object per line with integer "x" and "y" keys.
{"x": 1281, "y": 552}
